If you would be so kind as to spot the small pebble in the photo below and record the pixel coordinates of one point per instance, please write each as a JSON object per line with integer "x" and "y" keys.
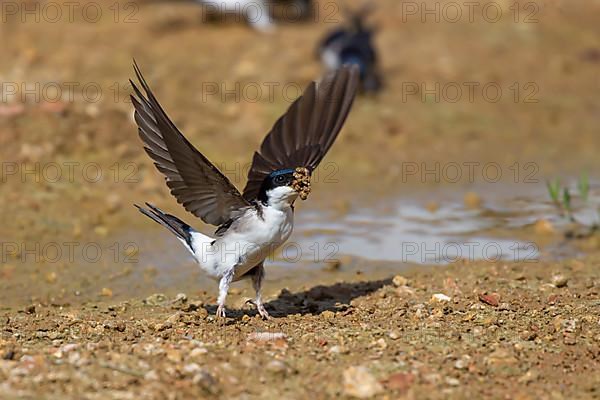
{"x": 394, "y": 335}
{"x": 155, "y": 299}
{"x": 432, "y": 206}
{"x": 338, "y": 350}
{"x": 463, "y": 362}
{"x": 191, "y": 368}
{"x": 452, "y": 381}
{"x": 543, "y": 227}
{"x": 528, "y": 335}
{"x": 560, "y": 281}
{"x": 198, "y": 351}
{"x": 472, "y": 200}
{"x": 51, "y": 277}
{"x": 440, "y": 298}
{"x": 277, "y": 367}
{"x": 399, "y": 281}
{"x": 529, "y": 376}
{"x": 358, "y": 382}
{"x": 490, "y": 299}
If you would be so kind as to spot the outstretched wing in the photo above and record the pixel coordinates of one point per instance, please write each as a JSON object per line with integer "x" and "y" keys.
{"x": 304, "y": 134}
{"x": 194, "y": 181}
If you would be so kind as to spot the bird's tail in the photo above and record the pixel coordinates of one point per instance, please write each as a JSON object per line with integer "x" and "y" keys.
{"x": 183, "y": 231}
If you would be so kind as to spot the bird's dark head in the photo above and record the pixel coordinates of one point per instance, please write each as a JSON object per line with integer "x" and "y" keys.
{"x": 285, "y": 185}
{"x": 364, "y": 57}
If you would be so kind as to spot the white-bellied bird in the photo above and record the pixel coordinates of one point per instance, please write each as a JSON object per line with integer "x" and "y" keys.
{"x": 257, "y": 13}
{"x": 251, "y": 224}
{"x": 352, "y": 43}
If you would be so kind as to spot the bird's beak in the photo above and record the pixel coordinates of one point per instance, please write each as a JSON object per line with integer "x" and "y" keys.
{"x": 301, "y": 182}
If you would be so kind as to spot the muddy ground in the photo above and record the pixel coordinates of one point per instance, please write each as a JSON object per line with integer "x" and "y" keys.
{"x": 471, "y": 330}
{"x": 99, "y": 330}
{"x": 83, "y": 145}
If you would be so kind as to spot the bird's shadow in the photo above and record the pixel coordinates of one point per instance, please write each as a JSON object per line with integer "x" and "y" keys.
{"x": 336, "y": 297}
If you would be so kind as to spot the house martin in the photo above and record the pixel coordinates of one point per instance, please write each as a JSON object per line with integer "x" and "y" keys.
{"x": 251, "y": 224}
{"x": 352, "y": 43}
{"x": 257, "y": 13}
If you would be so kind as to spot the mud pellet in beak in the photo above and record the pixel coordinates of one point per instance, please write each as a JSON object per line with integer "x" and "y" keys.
{"x": 301, "y": 183}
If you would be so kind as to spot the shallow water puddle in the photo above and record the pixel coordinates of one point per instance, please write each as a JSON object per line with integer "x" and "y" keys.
{"x": 409, "y": 231}
{"x": 374, "y": 240}
{"x": 415, "y": 235}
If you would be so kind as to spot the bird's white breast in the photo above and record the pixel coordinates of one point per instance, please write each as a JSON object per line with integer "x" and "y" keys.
{"x": 254, "y": 238}
{"x": 330, "y": 59}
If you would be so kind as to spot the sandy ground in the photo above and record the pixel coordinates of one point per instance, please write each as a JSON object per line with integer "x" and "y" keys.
{"x": 519, "y": 331}
{"x": 508, "y": 330}
{"x": 71, "y": 168}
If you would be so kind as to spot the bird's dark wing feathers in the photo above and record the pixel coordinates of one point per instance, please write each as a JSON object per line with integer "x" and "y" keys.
{"x": 304, "y": 134}
{"x": 194, "y": 181}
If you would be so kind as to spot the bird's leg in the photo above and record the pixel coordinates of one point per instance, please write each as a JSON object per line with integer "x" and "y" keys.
{"x": 223, "y": 289}
{"x": 257, "y": 279}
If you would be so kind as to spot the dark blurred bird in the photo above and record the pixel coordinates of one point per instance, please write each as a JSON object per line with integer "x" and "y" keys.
{"x": 252, "y": 224}
{"x": 353, "y": 44}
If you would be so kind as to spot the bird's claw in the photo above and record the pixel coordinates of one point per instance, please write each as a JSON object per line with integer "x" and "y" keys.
{"x": 260, "y": 308}
{"x": 221, "y": 312}
{"x": 263, "y": 312}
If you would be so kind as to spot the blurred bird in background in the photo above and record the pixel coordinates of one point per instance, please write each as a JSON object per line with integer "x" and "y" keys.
{"x": 352, "y": 43}
{"x": 257, "y": 13}
{"x": 262, "y": 15}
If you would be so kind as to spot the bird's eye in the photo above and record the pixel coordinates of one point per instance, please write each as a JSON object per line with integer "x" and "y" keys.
{"x": 280, "y": 179}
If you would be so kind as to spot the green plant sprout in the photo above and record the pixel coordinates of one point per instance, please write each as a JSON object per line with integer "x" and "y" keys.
{"x": 554, "y": 190}
{"x": 563, "y": 200}
{"x": 583, "y": 185}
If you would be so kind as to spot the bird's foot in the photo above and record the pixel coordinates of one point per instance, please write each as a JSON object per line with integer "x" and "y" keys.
{"x": 260, "y": 308}
{"x": 221, "y": 312}
{"x": 262, "y": 311}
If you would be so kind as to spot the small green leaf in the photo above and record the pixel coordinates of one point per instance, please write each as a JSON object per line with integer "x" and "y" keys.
{"x": 567, "y": 199}
{"x": 553, "y": 190}
{"x": 584, "y": 186}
